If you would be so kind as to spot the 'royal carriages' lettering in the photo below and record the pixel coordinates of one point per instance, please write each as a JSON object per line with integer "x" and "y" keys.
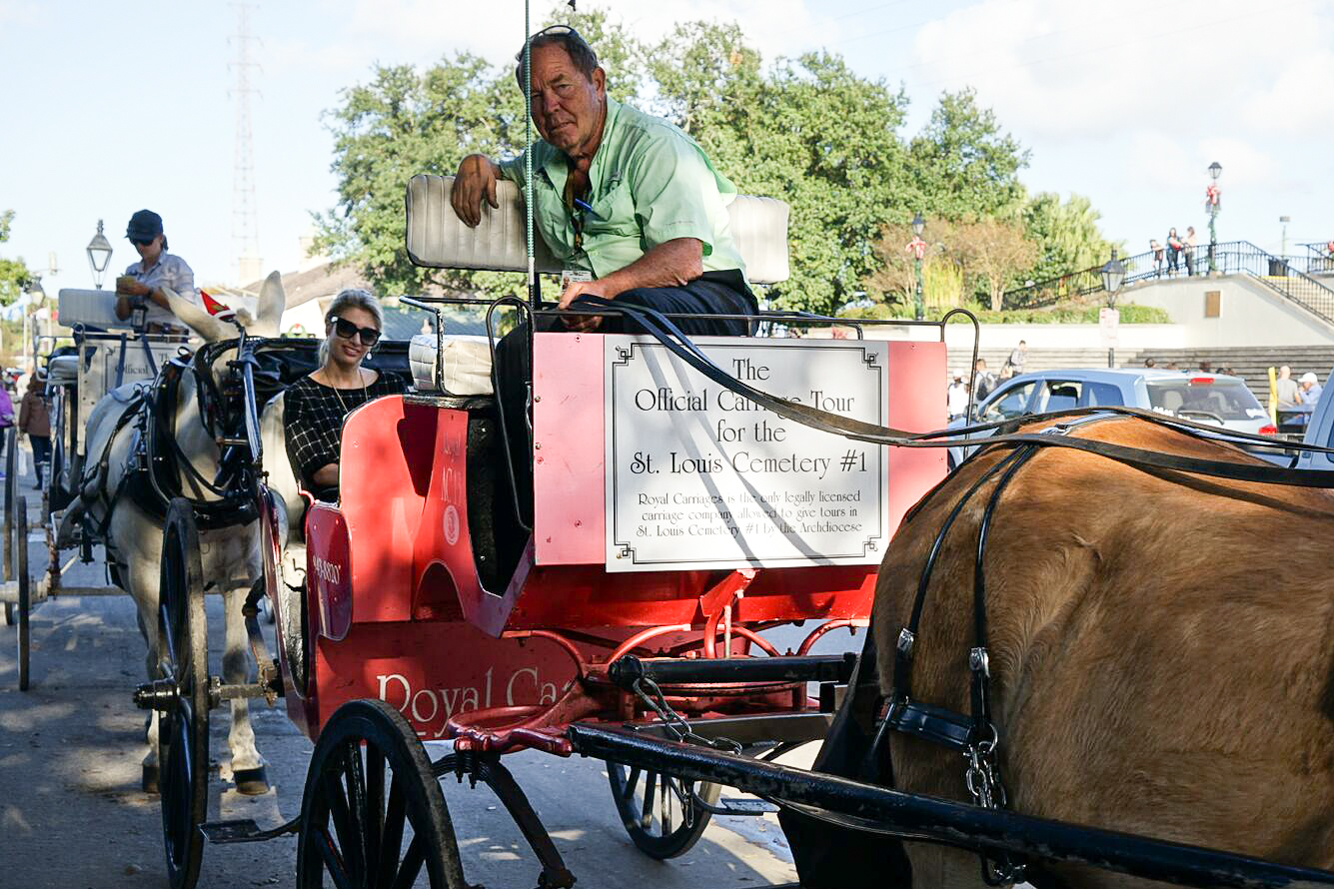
{"x": 430, "y": 709}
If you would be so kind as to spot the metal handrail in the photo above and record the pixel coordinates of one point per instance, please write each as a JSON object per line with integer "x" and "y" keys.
{"x": 1230, "y": 258}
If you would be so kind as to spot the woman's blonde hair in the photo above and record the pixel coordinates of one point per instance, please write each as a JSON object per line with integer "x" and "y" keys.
{"x": 351, "y": 298}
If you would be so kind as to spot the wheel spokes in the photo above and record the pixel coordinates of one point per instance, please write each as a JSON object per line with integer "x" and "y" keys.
{"x": 392, "y": 839}
{"x": 356, "y": 804}
{"x": 374, "y": 820}
{"x": 333, "y": 862}
{"x": 412, "y": 864}
{"x": 338, "y": 814}
{"x": 646, "y": 813}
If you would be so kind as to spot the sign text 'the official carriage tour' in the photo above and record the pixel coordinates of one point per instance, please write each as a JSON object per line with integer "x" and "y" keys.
{"x": 698, "y": 476}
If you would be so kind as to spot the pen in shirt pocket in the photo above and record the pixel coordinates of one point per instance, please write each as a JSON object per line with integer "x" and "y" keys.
{"x": 586, "y": 207}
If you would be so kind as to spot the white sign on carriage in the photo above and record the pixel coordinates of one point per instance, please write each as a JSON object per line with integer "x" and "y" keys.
{"x": 698, "y": 476}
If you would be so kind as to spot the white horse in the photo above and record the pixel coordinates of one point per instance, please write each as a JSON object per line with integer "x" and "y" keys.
{"x": 133, "y": 537}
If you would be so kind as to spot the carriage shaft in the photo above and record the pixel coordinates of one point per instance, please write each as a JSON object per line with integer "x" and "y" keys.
{"x": 954, "y": 823}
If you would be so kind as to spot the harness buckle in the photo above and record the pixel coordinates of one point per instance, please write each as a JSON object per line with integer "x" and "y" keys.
{"x": 905, "y": 643}
{"x": 979, "y": 662}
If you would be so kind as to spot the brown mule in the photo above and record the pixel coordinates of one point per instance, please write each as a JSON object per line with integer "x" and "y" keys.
{"x": 1160, "y": 646}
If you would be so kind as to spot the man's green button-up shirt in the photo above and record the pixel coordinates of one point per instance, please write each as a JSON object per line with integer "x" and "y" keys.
{"x": 649, "y": 183}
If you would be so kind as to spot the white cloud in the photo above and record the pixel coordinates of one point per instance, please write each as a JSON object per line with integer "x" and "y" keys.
{"x": 1089, "y": 69}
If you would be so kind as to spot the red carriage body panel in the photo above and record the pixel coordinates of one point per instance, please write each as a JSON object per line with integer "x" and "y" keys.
{"x": 397, "y": 610}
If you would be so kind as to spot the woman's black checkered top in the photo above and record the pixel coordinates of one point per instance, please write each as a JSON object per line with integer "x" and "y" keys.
{"x": 313, "y": 415}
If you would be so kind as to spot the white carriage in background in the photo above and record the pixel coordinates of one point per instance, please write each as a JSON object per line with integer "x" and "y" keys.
{"x": 107, "y": 353}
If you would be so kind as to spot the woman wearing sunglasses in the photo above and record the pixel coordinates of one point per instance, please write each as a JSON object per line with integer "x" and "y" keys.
{"x": 141, "y": 285}
{"x": 316, "y": 405}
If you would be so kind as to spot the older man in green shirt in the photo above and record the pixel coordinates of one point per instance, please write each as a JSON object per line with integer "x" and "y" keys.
{"x": 628, "y": 203}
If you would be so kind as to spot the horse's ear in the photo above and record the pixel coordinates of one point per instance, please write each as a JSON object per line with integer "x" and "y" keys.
{"x": 269, "y": 312}
{"x": 197, "y": 318}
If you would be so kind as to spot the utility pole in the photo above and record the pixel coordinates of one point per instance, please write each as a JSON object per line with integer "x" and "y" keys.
{"x": 245, "y": 233}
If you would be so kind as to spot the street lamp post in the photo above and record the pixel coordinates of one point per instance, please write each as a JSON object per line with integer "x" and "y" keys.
{"x": 1113, "y": 276}
{"x": 99, "y": 255}
{"x": 918, "y": 248}
{"x": 1211, "y": 200}
{"x": 1283, "y": 245}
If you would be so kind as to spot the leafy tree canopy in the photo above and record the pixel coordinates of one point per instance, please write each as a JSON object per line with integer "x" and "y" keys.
{"x": 808, "y": 130}
{"x": 14, "y": 274}
{"x": 1066, "y": 234}
{"x": 963, "y": 164}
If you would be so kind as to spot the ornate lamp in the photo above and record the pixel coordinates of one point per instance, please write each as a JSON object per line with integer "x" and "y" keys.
{"x": 99, "y": 255}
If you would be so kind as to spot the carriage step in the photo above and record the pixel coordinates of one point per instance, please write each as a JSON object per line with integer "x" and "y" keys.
{"x": 737, "y": 806}
{"x": 245, "y": 830}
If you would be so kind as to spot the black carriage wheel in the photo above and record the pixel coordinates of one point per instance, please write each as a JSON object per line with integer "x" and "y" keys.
{"x": 25, "y": 589}
{"x": 657, "y": 810}
{"x": 372, "y": 813}
{"x": 183, "y": 728}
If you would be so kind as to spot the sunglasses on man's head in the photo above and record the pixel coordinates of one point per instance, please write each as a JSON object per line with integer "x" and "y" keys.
{"x": 347, "y": 330}
{"x": 552, "y": 31}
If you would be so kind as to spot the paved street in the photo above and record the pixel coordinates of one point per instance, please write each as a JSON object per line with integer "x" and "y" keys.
{"x": 72, "y": 815}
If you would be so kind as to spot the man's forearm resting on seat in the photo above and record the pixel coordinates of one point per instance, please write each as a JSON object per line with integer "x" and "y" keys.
{"x": 669, "y": 264}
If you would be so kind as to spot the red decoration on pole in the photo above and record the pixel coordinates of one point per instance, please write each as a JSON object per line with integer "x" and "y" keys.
{"x": 917, "y": 247}
{"x": 1211, "y": 195}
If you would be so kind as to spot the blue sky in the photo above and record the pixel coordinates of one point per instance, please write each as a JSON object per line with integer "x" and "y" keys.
{"x": 110, "y": 107}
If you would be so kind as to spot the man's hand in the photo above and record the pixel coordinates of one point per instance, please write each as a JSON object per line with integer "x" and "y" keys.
{"x": 476, "y": 180}
{"x": 574, "y": 290}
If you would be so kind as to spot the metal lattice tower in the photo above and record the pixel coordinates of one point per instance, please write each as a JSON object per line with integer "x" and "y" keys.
{"x": 245, "y": 232}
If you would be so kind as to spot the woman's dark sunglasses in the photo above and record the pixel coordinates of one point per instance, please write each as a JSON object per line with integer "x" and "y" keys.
{"x": 347, "y": 330}
{"x": 140, "y": 242}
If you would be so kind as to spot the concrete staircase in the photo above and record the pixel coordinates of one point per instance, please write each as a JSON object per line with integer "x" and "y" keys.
{"x": 1042, "y": 359}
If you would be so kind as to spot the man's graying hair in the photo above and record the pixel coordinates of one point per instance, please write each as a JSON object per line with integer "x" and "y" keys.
{"x": 351, "y": 298}
{"x": 575, "y": 47}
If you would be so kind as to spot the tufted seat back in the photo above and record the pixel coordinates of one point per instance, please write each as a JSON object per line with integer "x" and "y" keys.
{"x": 436, "y": 238}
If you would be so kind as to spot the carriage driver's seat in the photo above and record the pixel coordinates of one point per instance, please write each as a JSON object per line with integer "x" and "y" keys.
{"x": 436, "y": 238}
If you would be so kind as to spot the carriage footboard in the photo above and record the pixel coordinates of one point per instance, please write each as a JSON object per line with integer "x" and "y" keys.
{"x": 882, "y": 810}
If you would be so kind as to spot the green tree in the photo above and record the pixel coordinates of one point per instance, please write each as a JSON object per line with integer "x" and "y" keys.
{"x": 963, "y": 164}
{"x": 1066, "y": 234}
{"x": 14, "y": 273}
{"x": 401, "y": 123}
{"x": 994, "y": 251}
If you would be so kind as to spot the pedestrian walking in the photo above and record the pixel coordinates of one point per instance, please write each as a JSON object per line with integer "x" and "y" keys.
{"x": 1017, "y": 358}
{"x": 984, "y": 381}
{"x": 35, "y": 422}
{"x": 1157, "y": 257}
{"x": 1189, "y": 249}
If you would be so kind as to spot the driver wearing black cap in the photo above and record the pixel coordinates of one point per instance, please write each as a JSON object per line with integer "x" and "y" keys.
{"x": 142, "y": 283}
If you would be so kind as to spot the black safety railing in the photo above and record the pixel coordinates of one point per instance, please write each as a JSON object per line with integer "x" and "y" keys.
{"x": 1229, "y": 258}
{"x": 1319, "y": 258}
